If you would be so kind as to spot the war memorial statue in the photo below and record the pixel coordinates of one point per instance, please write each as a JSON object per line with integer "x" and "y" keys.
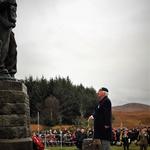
{"x": 14, "y": 101}
{"x": 8, "y": 45}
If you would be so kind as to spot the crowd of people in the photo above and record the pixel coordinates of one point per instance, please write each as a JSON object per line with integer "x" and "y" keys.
{"x": 120, "y": 137}
{"x": 138, "y": 136}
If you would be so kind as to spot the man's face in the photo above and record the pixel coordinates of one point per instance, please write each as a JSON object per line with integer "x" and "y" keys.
{"x": 101, "y": 93}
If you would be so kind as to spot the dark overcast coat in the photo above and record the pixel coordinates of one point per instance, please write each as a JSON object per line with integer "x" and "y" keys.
{"x": 103, "y": 116}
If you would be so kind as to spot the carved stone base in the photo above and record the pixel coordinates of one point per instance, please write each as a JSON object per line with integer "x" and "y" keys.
{"x": 16, "y": 144}
{"x": 14, "y": 116}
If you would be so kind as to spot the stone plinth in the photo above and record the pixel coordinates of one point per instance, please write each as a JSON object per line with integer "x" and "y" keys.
{"x": 14, "y": 116}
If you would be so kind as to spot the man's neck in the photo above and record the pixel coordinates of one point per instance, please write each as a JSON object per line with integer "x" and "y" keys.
{"x": 102, "y": 98}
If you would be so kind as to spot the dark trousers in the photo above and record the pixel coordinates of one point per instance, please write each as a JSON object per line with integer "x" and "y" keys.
{"x": 143, "y": 147}
{"x": 126, "y": 147}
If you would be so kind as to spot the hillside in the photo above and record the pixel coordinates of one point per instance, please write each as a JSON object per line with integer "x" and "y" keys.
{"x": 131, "y": 115}
{"x": 132, "y": 107}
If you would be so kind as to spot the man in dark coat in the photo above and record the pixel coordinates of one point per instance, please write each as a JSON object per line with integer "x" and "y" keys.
{"x": 103, "y": 119}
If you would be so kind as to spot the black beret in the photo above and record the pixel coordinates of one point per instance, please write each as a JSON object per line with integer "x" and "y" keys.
{"x": 104, "y": 89}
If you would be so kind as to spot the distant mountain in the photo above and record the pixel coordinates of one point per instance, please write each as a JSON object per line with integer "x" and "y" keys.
{"x": 132, "y": 107}
{"x": 131, "y": 115}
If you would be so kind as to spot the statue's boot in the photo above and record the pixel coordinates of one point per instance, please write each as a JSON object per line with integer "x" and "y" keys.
{"x": 4, "y": 75}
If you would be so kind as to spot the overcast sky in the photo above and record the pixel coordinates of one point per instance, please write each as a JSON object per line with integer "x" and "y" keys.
{"x": 94, "y": 42}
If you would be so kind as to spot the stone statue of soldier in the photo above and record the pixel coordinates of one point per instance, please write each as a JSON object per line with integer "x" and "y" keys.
{"x": 14, "y": 101}
{"x": 8, "y": 52}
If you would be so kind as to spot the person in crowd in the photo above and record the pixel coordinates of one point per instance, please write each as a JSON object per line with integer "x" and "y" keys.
{"x": 103, "y": 119}
{"x": 90, "y": 133}
{"x": 82, "y": 136}
{"x": 125, "y": 140}
{"x": 114, "y": 137}
{"x": 143, "y": 139}
{"x": 148, "y": 132}
{"x": 77, "y": 135}
{"x": 37, "y": 142}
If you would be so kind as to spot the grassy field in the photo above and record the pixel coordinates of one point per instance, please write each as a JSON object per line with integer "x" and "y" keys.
{"x": 132, "y": 147}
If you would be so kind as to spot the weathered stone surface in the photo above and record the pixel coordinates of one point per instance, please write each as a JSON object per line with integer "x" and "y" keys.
{"x": 14, "y": 132}
{"x": 16, "y": 144}
{"x": 14, "y": 116}
{"x": 9, "y": 96}
{"x": 12, "y": 85}
{"x": 13, "y": 108}
{"x": 13, "y": 120}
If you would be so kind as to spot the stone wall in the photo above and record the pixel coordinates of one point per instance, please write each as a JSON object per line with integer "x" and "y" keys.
{"x": 14, "y": 116}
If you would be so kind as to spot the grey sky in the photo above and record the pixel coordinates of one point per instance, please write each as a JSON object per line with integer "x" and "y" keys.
{"x": 94, "y": 42}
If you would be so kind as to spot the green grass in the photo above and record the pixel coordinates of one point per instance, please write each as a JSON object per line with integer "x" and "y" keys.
{"x": 132, "y": 147}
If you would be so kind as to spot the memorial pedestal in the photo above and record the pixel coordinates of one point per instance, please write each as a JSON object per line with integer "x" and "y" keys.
{"x": 14, "y": 116}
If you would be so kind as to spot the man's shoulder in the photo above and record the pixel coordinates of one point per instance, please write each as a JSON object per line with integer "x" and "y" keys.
{"x": 107, "y": 101}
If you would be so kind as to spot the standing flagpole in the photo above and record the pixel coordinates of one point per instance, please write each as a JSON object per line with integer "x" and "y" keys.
{"x": 38, "y": 120}
{"x": 45, "y": 139}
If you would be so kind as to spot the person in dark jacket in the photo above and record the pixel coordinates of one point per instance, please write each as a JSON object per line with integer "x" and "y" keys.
{"x": 125, "y": 140}
{"x": 77, "y": 135}
{"x": 148, "y": 132}
{"x": 80, "y": 136}
{"x": 83, "y": 136}
{"x": 103, "y": 119}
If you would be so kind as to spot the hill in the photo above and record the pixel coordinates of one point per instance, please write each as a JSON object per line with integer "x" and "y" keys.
{"x": 132, "y": 107}
{"x": 131, "y": 115}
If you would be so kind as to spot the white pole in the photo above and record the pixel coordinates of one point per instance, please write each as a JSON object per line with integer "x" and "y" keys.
{"x": 45, "y": 139}
{"x": 61, "y": 139}
{"x": 38, "y": 120}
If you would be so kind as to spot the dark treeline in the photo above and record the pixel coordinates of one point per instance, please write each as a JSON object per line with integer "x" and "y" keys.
{"x": 59, "y": 101}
